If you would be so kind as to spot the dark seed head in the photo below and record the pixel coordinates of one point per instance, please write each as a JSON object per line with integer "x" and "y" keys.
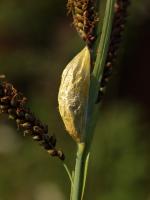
{"x": 13, "y": 103}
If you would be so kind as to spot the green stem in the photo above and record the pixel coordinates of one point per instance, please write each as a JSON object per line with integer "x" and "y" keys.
{"x": 96, "y": 76}
{"x": 68, "y": 173}
{"x": 84, "y": 148}
{"x": 79, "y": 176}
{"x": 101, "y": 53}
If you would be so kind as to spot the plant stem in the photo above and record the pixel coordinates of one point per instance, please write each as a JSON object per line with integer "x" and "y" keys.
{"x": 101, "y": 52}
{"x": 79, "y": 176}
{"x": 68, "y": 173}
{"x": 84, "y": 148}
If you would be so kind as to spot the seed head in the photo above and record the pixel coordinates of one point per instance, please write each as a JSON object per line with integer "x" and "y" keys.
{"x": 84, "y": 18}
{"x": 13, "y": 103}
{"x": 120, "y": 10}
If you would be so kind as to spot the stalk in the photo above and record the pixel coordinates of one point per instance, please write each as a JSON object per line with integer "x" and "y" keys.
{"x": 80, "y": 172}
{"x": 83, "y": 149}
{"x": 101, "y": 52}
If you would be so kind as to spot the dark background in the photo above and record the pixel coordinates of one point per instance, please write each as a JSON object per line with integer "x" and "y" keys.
{"x": 36, "y": 42}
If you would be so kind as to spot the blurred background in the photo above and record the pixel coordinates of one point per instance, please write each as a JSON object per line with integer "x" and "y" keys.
{"x": 37, "y": 40}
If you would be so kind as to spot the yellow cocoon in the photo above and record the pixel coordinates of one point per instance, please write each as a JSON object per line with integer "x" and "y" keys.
{"x": 73, "y": 94}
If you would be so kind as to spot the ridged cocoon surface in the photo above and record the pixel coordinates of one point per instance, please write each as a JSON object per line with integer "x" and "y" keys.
{"x": 73, "y": 94}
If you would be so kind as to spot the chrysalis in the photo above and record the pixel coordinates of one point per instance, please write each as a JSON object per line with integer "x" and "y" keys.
{"x": 73, "y": 94}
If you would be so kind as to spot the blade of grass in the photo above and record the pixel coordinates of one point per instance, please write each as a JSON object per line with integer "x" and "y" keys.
{"x": 85, "y": 174}
{"x": 96, "y": 76}
{"x": 68, "y": 172}
{"x": 101, "y": 51}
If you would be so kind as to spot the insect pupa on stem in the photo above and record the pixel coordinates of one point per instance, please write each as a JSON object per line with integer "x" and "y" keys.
{"x": 73, "y": 94}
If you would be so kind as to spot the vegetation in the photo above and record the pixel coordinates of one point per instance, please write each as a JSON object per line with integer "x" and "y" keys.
{"x": 118, "y": 166}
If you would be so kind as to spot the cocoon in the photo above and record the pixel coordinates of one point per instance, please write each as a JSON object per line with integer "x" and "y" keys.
{"x": 73, "y": 94}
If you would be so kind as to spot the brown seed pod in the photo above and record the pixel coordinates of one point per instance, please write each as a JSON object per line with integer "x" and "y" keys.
{"x": 73, "y": 94}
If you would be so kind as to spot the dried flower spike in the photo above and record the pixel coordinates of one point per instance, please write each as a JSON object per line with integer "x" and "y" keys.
{"x": 73, "y": 94}
{"x": 84, "y": 18}
{"x": 117, "y": 29}
{"x": 13, "y": 103}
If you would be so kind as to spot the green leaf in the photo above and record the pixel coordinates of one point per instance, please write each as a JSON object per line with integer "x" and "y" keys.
{"x": 85, "y": 174}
